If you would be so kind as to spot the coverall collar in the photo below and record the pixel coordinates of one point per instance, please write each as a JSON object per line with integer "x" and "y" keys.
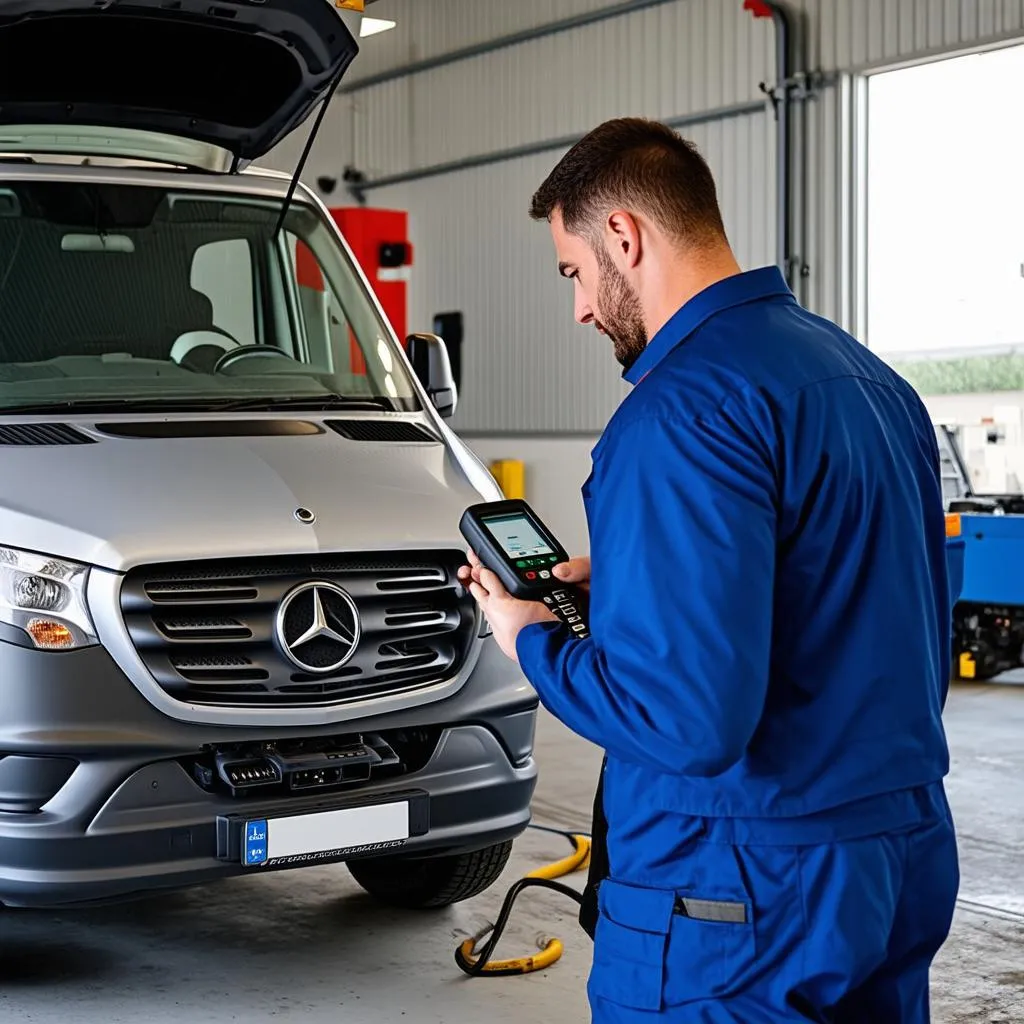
{"x": 763, "y": 283}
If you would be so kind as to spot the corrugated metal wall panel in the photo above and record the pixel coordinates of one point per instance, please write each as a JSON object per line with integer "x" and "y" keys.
{"x": 700, "y": 54}
{"x": 385, "y": 126}
{"x": 527, "y": 366}
{"x": 848, "y": 34}
{"x": 685, "y": 56}
{"x": 426, "y": 28}
{"x": 842, "y": 33}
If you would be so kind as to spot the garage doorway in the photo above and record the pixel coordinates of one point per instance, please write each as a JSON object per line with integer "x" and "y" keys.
{"x": 944, "y": 248}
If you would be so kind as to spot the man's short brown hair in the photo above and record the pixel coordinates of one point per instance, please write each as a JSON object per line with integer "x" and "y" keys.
{"x": 636, "y": 165}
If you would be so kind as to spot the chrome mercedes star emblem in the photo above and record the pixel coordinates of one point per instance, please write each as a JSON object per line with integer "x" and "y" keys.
{"x": 318, "y": 627}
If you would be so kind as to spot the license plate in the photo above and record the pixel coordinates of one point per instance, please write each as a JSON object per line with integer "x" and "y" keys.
{"x": 302, "y": 838}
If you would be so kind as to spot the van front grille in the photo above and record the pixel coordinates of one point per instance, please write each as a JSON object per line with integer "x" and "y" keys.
{"x": 212, "y": 633}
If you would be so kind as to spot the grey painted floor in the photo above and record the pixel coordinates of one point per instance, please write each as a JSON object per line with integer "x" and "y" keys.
{"x": 308, "y": 946}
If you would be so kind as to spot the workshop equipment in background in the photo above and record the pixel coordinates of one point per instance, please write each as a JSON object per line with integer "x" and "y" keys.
{"x": 479, "y": 964}
{"x": 988, "y": 619}
{"x": 379, "y": 240}
{"x": 985, "y": 538}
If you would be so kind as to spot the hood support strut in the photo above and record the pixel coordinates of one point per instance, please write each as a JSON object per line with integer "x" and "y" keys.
{"x": 306, "y": 149}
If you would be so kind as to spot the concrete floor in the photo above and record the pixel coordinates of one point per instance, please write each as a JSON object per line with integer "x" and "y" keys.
{"x": 307, "y": 945}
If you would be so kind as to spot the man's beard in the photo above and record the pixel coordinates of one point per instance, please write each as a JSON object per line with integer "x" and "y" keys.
{"x": 621, "y": 314}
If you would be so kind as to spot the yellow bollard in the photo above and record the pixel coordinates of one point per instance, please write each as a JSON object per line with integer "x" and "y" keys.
{"x": 511, "y": 477}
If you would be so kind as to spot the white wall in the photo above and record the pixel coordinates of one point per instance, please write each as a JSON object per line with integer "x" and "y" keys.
{"x": 556, "y": 469}
{"x": 968, "y": 410}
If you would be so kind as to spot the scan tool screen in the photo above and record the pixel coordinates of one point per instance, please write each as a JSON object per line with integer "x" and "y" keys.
{"x": 517, "y": 535}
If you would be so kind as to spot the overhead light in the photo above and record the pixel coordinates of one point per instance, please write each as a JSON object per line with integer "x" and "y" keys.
{"x": 374, "y": 26}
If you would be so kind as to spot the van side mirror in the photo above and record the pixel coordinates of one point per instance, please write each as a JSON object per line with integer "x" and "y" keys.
{"x": 429, "y": 357}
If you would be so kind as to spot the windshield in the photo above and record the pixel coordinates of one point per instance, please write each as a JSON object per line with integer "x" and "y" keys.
{"x": 119, "y": 295}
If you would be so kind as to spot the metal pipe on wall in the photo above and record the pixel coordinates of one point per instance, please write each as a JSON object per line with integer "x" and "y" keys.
{"x": 791, "y": 84}
{"x": 785, "y": 149}
{"x": 551, "y": 28}
{"x": 359, "y": 188}
{"x": 780, "y": 97}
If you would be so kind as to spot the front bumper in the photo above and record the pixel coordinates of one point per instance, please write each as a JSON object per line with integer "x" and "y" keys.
{"x": 130, "y": 819}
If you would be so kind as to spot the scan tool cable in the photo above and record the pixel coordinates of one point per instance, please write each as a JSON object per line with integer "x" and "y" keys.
{"x": 479, "y": 963}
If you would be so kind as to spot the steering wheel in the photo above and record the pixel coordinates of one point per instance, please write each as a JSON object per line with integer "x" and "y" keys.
{"x": 244, "y": 351}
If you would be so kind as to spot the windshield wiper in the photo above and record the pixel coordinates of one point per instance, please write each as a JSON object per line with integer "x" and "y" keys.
{"x": 314, "y": 403}
{"x": 70, "y": 406}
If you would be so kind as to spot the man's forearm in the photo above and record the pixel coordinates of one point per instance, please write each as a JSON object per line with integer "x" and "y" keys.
{"x": 574, "y": 684}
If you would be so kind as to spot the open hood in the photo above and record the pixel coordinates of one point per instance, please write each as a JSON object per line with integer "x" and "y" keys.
{"x": 238, "y": 74}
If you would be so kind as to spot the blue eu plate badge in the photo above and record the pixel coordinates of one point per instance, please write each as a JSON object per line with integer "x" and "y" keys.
{"x": 255, "y": 849}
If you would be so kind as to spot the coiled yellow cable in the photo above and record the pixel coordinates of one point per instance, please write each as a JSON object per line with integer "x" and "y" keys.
{"x": 476, "y": 964}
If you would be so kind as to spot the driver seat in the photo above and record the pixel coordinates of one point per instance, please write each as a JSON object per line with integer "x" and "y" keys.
{"x": 199, "y": 348}
{"x": 199, "y": 351}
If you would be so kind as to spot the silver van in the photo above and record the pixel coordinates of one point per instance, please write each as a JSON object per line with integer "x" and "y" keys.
{"x": 231, "y": 634}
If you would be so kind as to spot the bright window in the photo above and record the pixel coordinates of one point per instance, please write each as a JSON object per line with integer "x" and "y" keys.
{"x": 945, "y": 222}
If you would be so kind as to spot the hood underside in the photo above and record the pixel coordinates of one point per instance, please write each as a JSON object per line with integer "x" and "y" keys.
{"x": 238, "y": 74}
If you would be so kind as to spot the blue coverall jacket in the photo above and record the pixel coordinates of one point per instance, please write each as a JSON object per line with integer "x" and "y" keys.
{"x": 770, "y": 617}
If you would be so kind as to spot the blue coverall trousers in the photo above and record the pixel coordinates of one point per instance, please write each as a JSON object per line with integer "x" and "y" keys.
{"x": 843, "y": 933}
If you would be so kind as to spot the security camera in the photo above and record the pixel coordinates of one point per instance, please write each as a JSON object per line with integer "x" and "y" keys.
{"x": 326, "y": 184}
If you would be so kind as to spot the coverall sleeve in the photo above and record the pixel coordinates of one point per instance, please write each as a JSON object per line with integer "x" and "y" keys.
{"x": 683, "y": 537}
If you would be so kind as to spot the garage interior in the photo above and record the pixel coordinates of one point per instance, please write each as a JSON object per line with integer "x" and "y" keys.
{"x": 312, "y": 946}
{"x": 450, "y": 116}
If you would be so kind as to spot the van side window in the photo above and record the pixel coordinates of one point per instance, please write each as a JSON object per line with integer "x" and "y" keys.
{"x": 223, "y": 272}
{"x": 327, "y": 331}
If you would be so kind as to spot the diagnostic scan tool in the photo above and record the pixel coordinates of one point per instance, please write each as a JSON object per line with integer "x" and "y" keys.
{"x": 511, "y": 541}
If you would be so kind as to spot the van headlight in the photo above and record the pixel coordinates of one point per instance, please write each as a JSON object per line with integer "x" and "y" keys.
{"x": 45, "y": 598}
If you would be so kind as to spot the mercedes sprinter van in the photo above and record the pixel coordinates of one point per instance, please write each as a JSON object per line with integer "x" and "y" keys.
{"x": 231, "y": 634}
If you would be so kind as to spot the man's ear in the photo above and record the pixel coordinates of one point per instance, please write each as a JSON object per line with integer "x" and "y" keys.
{"x": 622, "y": 237}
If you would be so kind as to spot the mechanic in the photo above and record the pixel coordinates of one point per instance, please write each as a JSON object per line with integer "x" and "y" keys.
{"x": 770, "y": 620}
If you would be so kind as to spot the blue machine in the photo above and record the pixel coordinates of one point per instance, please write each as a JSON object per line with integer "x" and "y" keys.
{"x": 988, "y": 619}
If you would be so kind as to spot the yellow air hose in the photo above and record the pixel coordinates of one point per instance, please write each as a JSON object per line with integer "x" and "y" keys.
{"x": 478, "y": 964}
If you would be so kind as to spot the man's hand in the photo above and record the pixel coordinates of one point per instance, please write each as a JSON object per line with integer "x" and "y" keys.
{"x": 575, "y": 571}
{"x": 506, "y": 614}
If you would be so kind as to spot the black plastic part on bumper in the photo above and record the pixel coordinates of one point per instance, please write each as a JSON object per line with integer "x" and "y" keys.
{"x": 28, "y": 783}
{"x": 131, "y": 819}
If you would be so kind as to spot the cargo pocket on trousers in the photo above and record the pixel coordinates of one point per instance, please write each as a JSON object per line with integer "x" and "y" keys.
{"x": 630, "y": 944}
{"x": 712, "y": 947}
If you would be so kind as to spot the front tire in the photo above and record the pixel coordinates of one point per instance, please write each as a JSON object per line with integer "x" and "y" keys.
{"x": 427, "y": 883}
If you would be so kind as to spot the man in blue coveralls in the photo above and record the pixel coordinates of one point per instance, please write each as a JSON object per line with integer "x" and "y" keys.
{"x": 770, "y": 625}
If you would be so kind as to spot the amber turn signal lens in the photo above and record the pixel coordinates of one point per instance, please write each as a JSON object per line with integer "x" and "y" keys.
{"x": 51, "y": 636}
